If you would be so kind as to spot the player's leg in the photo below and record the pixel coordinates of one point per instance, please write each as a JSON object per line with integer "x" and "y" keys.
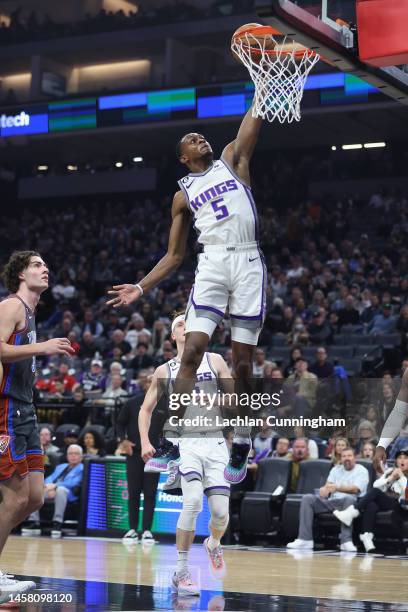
{"x": 206, "y": 308}
{"x": 192, "y": 506}
{"x": 14, "y": 504}
{"x": 219, "y": 509}
{"x": 13, "y": 509}
{"x": 218, "y": 492}
{"x": 247, "y": 310}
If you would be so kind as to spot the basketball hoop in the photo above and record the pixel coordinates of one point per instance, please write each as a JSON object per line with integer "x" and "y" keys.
{"x": 278, "y": 67}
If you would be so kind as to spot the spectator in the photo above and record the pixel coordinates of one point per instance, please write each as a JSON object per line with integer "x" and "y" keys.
{"x": 402, "y": 327}
{"x": 89, "y": 347}
{"x": 282, "y": 449}
{"x": 51, "y": 452}
{"x": 299, "y": 453}
{"x": 366, "y": 433}
{"x": 60, "y": 487}
{"x": 118, "y": 341}
{"x": 386, "y": 402}
{"x": 259, "y": 363}
{"x": 92, "y": 443}
{"x": 295, "y": 354}
{"x": 319, "y": 328}
{"x": 384, "y": 323}
{"x": 138, "y": 480}
{"x": 263, "y": 439}
{"x": 368, "y": 451}
{"x": 63, "y": 382}
{"x": 141, "y": 361}
{"x": 135, "y": 328}
{"x": 321, "y": 367}
{"x": 387, "y": 492}
{"x": 78, "y": 411}
{"x": 93, "y": 380}
{"x": 349, "y": 315}
{"x": 304, "y": 385}
{"x": 298, "y": 333}
{"x": 111, "y": 398}
{"x": 400, "y": 443}
{"x": 300, "y": 432}
{"x": 345, "y": 483}
{"x": 338, "y": 447}
{"x": 91, "y": 325}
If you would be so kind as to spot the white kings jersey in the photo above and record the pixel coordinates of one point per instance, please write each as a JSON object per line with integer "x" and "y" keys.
{"x": 223, "y": 208}
{"x": 207, "y": 381}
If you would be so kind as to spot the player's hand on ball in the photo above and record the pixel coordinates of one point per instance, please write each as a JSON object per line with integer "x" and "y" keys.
{"x": 123, "y": 295}
{"x": 147, "y": 451}
{"x": 58, "y": 346}
{"x": 380, "y": 459}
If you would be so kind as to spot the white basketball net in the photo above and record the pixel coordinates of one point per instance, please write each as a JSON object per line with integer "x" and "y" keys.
{"x": 279, "y": 77}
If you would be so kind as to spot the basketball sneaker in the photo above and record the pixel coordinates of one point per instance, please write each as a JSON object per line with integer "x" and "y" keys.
{"x": 147, "y": 537}
{"x": 173, "y": 479}
{"x": 236, "y": 469}
{"x": 131, "y": 536}
{"x": 216, "y": 558}
{"x": 184, "y": 584}
{"x": 10, "y": 588}
{"x": 166, "y": 452}
{"x": 32, "y": 529}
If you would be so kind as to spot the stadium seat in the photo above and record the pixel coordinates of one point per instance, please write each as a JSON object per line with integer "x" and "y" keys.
{"x": 260, "y": 509}
{"x": 371, "y": 350}
{"x": 352, "y": 366}
{"x": 388, "y": 340}
{"x": 279, "y": 340}
{"x": 312, "y": 475}
{"x": 358, "y": 339}
{"x": 351, "y": 329}
{"x": 339, "y": 352}
{"x": 280, "y": 354}
{"x": 101, "y": 429}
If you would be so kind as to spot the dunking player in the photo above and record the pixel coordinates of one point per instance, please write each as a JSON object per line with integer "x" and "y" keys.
{"x": 21, "y": 458}
{"x": 203, "y": 457}
{"x": 393, "y": 425}
{"x": 231, "y": 271}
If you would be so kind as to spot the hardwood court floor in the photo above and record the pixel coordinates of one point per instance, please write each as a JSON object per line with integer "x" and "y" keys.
{"x": 99, "y": 573}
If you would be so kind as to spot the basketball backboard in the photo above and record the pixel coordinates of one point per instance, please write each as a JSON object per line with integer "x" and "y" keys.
{"x": 329, "y": 27}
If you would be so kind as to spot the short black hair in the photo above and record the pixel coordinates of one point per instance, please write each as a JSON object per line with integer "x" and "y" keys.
{"x": 178, "y": 147}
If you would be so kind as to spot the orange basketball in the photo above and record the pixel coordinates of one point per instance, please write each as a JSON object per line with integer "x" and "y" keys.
{"x": 254, "y": 34}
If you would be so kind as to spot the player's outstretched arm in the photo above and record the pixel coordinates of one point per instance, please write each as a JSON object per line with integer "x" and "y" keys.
{"x": 10, "y": 317}
{"x": 238, "y": 153}
{"x": 122, "y": 295}
{"x": 393, "y": 425}
{"x": 145, "y": 414}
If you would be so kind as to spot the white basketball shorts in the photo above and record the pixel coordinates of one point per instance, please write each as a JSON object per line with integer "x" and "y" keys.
{"x": 205, "y": 459}
{"x": 232, "y": 277}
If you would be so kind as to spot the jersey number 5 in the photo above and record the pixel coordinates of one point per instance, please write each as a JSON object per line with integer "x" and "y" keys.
{"x": 221, "y": 211}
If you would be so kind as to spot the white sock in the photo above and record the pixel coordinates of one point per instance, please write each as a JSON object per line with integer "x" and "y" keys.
{"x": 212, "y": 543}
{"x": 182, "y": 561}
{"x": 241, "y": 440}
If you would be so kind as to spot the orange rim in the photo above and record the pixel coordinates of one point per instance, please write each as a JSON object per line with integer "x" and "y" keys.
{"x": 264, "y": 31}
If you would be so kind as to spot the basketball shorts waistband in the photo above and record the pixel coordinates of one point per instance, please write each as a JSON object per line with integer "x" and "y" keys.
{"x": 231, "y": 248}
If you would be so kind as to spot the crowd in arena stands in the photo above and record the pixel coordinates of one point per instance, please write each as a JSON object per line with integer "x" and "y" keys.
{"x": 335, "y": 267}
{"x": 27, "y": 26}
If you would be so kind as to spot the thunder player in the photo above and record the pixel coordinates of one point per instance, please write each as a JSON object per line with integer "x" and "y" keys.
{"x": 21, "y": 457}
{"x": 231, "y": 272}
{"x": 203, "y": 457}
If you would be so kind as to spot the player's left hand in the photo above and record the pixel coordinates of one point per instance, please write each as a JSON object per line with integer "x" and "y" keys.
{"x": 123, "y": 295}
